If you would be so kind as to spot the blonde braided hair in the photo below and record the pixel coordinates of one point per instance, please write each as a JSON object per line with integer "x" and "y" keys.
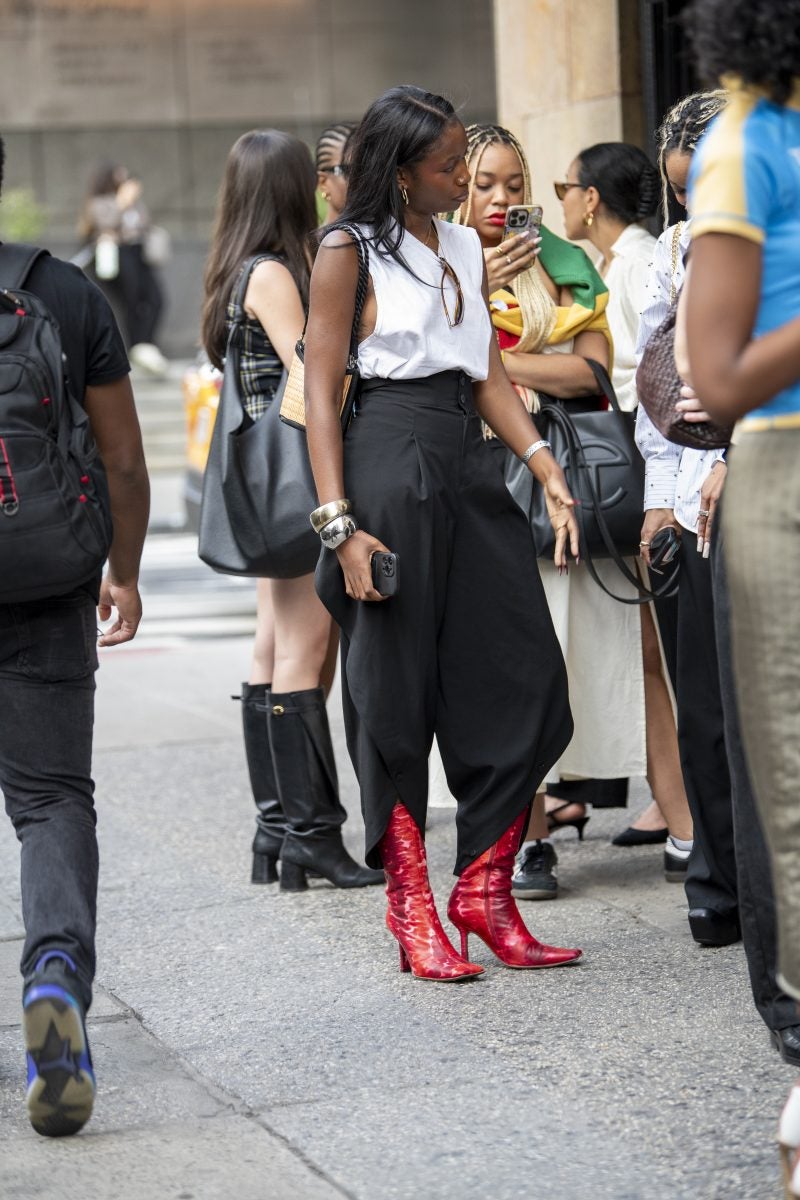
{"x": 681, "y": 130}
{"x": 535, "y": 302}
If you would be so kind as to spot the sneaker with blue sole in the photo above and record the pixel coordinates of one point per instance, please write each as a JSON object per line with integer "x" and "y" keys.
{"x": 61, "y": 1083}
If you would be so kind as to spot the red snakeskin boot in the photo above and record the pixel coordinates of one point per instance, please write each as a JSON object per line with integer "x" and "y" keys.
{"x": 425, "y": 949}
{"x": 481, "y": 903}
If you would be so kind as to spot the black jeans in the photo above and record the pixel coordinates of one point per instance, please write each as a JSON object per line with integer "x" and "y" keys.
{"x": 48, "y": 658}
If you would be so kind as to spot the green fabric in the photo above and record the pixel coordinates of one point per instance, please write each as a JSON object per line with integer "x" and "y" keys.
{"x": 570, "y": 266}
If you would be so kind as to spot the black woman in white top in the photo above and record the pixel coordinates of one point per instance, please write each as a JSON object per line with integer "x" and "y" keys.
{"x": 466, "y": 648}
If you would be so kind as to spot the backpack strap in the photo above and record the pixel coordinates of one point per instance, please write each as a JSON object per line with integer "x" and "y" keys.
{"x": 16, "y": 263}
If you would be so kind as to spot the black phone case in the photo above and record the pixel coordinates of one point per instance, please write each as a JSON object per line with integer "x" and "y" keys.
{"x": 385, "y": 577}
{"x": 660, "y": 546}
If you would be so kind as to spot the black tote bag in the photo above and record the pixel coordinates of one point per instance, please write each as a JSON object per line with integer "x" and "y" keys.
{"x": 605, "y": 473}
{"x": 258, "y": 488}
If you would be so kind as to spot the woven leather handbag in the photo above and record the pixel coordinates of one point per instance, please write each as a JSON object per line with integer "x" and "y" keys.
{"x": 659, "y": 385}
{"x": 293, "y": 404}
{"x": 258, "y": 488}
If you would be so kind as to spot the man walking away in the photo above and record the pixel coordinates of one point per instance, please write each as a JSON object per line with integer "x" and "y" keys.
{"x": 48, "y": 653}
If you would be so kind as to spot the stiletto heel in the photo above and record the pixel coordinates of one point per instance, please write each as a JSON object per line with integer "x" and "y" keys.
{"x": 265, "y": 868}
{"x": 293, "y": 877}
{"x": 577, "y": 823}
{"x": 464, "y": 944}
{"x": 425, "y": 949}
{"x": 481, "y": 903}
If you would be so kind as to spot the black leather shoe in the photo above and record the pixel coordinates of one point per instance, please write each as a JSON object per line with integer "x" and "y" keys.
{"x": 640, "y": 837}
{"x": 787, "y": 1043}
{"x": 710, "y": 928}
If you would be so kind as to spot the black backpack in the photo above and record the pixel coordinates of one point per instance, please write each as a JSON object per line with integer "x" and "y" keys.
{"x": 55, "y": 516}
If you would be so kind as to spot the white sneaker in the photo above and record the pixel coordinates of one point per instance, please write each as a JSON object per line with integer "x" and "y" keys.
{"x": 149, "y": 358}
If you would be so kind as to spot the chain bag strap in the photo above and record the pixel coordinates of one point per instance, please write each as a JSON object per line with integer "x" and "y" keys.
{"x": 293, "y": 404}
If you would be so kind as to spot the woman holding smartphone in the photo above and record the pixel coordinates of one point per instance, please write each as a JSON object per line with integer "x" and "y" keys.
{"x": 467, "y": 639}
{"x": 549, "y": 315}
{"x": 266, "y": 210}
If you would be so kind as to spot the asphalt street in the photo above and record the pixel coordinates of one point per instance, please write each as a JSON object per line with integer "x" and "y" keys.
{"x": 264, "y": 1046}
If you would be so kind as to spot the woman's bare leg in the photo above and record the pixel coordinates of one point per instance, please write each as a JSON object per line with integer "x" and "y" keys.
{"x": 302, "y": 634}
{"x": 264, "y": 645}
{"x": 663, "y": 760}
{"x": 537, "y": 825}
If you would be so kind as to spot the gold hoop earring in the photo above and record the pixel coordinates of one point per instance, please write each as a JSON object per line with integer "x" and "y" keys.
{"x": 325, "y": 196}
{"x": 404, "y": 194}
{"x": 588, "y": 219}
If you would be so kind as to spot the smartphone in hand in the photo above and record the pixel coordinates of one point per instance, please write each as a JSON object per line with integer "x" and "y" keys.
{"x": 523, "y": 218}
{"x": 663, "y": 548}
{"x": 385, "y": 579}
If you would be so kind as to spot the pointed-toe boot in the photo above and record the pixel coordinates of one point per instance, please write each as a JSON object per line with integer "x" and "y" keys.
{"x": 425, "y": 948}
{"x": 305, "y": 769}
{"x": 481, "y": 903}
{"x": 270, "y": 823}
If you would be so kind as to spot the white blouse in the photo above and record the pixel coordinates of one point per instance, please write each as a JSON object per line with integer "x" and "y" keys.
{"x": 626, "y": 277}
{"x": 412, "y": 338}
{"x": 673, "y": 475}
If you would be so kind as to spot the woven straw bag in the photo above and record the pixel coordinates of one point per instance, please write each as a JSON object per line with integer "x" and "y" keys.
{"x": 293, "y": 403}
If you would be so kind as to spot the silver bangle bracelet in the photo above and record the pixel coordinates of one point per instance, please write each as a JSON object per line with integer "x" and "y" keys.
{"x": 326, "y": 513}
{"x": 337, "y": 531}
{"x": 529, "y": 453}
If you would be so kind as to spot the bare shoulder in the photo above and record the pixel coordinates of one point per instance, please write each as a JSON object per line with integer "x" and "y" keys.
{"x": 271, "y": 283}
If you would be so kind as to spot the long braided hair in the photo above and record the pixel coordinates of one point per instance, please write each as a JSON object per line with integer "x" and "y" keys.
{"x": 681, "y": 131}
{"x": 535, "y": 302}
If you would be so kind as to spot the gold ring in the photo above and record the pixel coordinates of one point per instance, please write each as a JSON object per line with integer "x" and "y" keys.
{"x": 499, "y": 251}
{"x": 644, "y": 543}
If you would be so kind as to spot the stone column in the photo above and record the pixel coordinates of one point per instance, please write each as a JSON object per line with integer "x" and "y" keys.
{"x": 568, "y": 76}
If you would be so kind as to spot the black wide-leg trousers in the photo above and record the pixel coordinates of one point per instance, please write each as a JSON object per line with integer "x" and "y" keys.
{"x": 466, "y": 649}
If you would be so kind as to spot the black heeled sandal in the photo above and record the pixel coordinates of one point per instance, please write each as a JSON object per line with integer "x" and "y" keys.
{"x": 578, "y": 823}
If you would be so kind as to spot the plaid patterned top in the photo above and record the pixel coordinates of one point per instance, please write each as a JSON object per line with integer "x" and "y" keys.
{"x": 260, "y": 368}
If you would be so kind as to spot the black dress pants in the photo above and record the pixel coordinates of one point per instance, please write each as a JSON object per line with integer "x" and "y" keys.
{"x": 711, "y": 874}
{"x": 466, "y": 649}
{"x": 754, "y": 871}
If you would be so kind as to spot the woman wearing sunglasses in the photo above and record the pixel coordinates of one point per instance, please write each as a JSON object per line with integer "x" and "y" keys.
{"x": 466, "y": 648}
{"x": 331, "y": 169}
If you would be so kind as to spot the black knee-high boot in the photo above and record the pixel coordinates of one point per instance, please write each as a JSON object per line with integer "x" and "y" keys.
{"x": 305, "y": 768}
{"x": 270, "y": 821}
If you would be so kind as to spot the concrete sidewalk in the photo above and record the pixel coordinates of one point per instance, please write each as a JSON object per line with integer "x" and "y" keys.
{"x": 257, "y": 1045}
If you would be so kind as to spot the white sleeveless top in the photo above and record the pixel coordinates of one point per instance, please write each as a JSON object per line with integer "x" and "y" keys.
{"x": 412, "y": 339}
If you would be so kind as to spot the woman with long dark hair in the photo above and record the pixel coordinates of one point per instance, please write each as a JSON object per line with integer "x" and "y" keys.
{"x": 465, "y": 649}
{"x": 266, "y": 209}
